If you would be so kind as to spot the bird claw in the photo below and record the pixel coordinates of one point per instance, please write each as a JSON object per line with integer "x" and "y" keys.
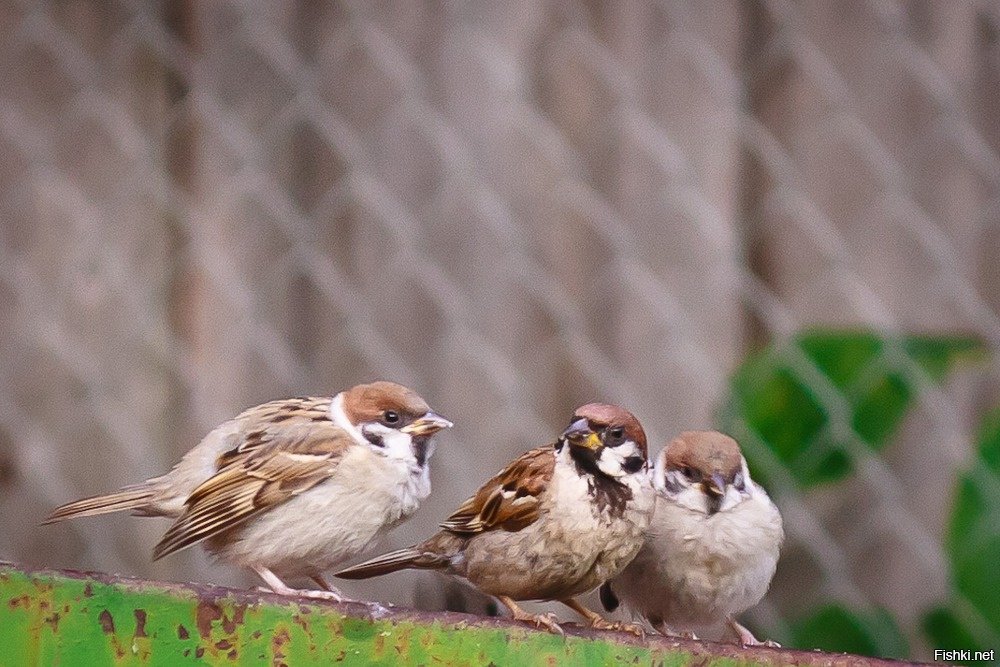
{"x": 618, "y": 626}
{"x": 632, "y": 628}
{"x": 547, "y": 621}
{"x": 746, "y": 638}
{"x": 305, "y": 593}
{"x": 318, "y": 595}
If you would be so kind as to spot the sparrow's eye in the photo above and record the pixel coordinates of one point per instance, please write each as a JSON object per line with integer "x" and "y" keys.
{"x": 616, "y": 436}
{"x": 691, "y": 473}
{"x": 390, "y": 417}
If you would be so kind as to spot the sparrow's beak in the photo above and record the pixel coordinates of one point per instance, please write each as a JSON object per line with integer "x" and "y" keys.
{"x": 715, "y": 485}
{"x": 579, "y": 434}
{"x": 429, "y": 424}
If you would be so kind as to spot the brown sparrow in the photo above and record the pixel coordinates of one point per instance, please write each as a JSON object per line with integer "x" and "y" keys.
{"x": 555, "y": 523}
{"x": 712, "y": 546}
{"x": 292, "y": 487}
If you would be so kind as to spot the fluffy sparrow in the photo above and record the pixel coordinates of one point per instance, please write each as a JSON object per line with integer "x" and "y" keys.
{"x": 555, "y": 523}
{"x": 292, "y": 487}
{"x": 712, "y": 546}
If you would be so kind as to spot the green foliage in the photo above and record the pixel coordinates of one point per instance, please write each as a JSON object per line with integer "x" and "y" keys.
{"x": 834, "y": 628}
{"x": 973, "y": 621}
{"x": 814, "y": 399}
{"x": 946, "y": 630}
{"x": 814, "y": 403}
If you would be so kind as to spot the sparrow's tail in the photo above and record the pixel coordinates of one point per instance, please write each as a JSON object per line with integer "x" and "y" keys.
{"x": 129, "y": 498}
{"x": 403, "y": 559}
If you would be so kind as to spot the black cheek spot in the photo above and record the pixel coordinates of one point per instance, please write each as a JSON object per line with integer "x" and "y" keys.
{"x": 375, "y": 439}
{"x": 633, "y": 464}
{"x": 670, "y": 485}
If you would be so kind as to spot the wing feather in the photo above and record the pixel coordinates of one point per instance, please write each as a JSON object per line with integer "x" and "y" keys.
{"x": 509, "y": 501}
{"x": 274, "y": 461}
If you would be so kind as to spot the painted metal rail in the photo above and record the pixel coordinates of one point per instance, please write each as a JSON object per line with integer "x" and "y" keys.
{"x": 76, "y": 618}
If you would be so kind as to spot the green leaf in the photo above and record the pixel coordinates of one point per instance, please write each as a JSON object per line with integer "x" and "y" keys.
{"x": 835, "y": 628}
{"x": 938, "y": 354}
{"x": 973, "y": 546}
{"x": 814, "y": 399}
{"x": 946, "y": 631}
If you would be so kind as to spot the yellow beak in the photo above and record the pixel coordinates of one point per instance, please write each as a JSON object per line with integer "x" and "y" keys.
{"x": 579, "y": 434}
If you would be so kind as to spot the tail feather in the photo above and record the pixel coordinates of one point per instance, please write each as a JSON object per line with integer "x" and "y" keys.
{"x": 403, "y": 559}
{"x": 131, "y": 497}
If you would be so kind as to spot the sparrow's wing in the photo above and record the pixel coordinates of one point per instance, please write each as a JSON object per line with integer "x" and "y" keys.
{"x": 509, "y": 501}
{"x": 285, "y": 458}
{"x": 265, "y": 424}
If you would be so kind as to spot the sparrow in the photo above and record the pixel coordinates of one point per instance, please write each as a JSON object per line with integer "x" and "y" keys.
{"x": 712, "y": 546}
{"x": 555, "y": 523}
{"x": 292, "y": 487}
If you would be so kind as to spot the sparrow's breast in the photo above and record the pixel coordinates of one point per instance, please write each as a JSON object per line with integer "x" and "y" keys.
{"x": 695, "y": 570}
{"x": 575, "y": 545}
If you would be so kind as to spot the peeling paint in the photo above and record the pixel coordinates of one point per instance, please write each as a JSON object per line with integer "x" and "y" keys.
{"x": 107, "y": 622}
{"x": 104, "y": 619}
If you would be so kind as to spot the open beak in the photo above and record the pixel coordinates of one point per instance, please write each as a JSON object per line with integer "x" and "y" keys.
{"x": 715, "y": 485}
{"x": 579, "y": 434}
{"x": 429, "y": 424}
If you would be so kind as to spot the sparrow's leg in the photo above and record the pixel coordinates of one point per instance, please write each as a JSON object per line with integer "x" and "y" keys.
{"x": 279, "y": 587}
{"x": 547, "y": 621}
{"x": 599, "y": 622}
{"x": 746, "y": 637}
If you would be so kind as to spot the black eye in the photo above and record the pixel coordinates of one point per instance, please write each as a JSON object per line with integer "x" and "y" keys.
{"x": 390, "y": 417}
{"x": 690, "y": 473}
{"x": 616, "y": 435}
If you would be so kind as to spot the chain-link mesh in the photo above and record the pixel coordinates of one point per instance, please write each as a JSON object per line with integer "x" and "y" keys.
{"x": 514, "y": 208}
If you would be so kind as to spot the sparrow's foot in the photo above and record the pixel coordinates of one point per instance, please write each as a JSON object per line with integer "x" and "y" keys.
{"x": 598, "y": 622}
{"x": 621, "y": 626}
{"x": 278, "y": 586}
{"x": 746, "y": 637}
{"x": 668, "y": 631}
{"x": 325, "y": 585}
{"x": 547, "y": 621}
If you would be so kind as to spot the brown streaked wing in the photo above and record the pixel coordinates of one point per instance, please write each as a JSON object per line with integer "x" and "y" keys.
{"x": 258, "y": 426}
{"x": 293, "y": 459}
{"x": 509, "y": 501}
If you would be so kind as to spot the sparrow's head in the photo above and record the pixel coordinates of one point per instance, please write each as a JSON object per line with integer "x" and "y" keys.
{"x": 605, "y": 439}
{"x": 703, "y": 471}
{"x": 393, "y": 420}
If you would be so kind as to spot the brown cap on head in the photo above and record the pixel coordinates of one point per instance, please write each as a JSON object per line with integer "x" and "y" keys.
{"x": 603, "y": 415}
{"x": 706, "y": 452}
{"x": 370, "y": 402}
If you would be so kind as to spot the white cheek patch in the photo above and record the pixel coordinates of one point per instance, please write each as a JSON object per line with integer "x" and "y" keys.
{"x": 395, "y": 444}
{"x": 612, "y": 459}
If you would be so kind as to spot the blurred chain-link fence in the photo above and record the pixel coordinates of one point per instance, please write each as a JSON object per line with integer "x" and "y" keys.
{"x": 513, "y": 207}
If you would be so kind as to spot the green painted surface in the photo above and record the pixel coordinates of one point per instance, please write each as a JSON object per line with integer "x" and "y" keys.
{"x": 70, "y": 619}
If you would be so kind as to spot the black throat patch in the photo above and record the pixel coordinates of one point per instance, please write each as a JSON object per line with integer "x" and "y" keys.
{"x": 608, "y": 493}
